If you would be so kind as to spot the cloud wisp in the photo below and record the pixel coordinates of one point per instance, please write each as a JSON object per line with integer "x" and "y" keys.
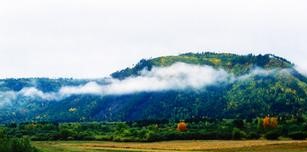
{"x": 178, "y": 76}
{"x": 6, "y": 97}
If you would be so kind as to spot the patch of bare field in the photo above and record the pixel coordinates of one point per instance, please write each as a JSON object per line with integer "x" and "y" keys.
{"x": 197, "y": 145}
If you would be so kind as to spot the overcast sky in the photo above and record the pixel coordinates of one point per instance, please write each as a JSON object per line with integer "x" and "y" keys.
{"x": 93, "y": 38}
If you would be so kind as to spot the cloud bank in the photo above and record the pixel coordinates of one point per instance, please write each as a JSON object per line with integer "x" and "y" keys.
{"x": 178, "y": 76}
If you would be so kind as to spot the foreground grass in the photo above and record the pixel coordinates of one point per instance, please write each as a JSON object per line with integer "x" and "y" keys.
{"x": 209, "y": 146}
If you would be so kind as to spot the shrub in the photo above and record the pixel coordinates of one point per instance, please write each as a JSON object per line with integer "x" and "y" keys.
{"x": 210, "y": 135}
{"x": 224, "y": 135}
{"x": 305, "y": 126}
{"x": 298, "y": 135}
{"x": 239, "y": 123}
{"x": 237, "y": 134}
{"x": 272, "y": 135}
{"x": 86, "y": 135}
{"x": 16, "y": 145}
{"x": 273, "y": 122}
{"x": 259, "y": 123}
{"x": 66, "y": 134}
{"x": 253, "y": 135}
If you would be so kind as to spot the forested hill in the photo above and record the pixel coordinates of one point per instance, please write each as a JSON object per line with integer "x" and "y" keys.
{"x": 191, "y": 85}
{"x": 237, "y": 64}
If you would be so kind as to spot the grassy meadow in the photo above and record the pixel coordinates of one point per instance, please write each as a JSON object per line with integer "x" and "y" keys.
{"x": 184, "y": 146}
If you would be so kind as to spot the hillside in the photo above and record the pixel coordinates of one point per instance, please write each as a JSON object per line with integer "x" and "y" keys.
{"x": 186, "y": 86}
{"x": 237, "y": 64}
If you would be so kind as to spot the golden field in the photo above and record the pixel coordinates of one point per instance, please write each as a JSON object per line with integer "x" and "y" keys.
{"x": 183, "y": 146}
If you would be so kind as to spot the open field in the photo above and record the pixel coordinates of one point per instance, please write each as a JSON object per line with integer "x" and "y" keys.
{"x": 209, "y": 146}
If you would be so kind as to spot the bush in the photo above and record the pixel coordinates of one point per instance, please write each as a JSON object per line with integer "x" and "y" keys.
{"x": 305, "y": 126}
{"x": 16, "y": 145}
{"x": 297, "y": 135}
{"x": 239, "y": 123}
{"x": 66, "y": 134}
{"x": 104, "y": 138}
{"x": 209, "y": 135}
{"x": 272, "y": 135}
{"x": 224, "y": 135}
{"x": 86, "y": 135}
{"x": 237, "y": 134}
{"x": 253, "y": 135}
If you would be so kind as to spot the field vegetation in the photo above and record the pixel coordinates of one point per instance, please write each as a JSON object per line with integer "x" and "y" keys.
{"x": 271, "y": 128}
{"x": 182, "y": 146}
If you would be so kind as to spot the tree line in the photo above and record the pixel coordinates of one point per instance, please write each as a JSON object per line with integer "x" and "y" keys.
{"x": 150, "y": 131}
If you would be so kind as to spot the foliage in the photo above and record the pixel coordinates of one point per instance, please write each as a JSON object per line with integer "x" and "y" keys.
{"x": 156, "y": 130}
{"x": 237, "y": 134}
{"x": 269, "y": 122}
{"x": 253, "y": 135}
{"x": 273, "y": 122}
{"x": 182, "y": 126}
{"x": 266, "y": 122}
{"x": 272, "y": 135}
{"x": 298, "y": 135}
{"x": 15, "y": 144}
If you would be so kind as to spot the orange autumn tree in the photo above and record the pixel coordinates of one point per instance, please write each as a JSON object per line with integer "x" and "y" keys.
{"x": 182, "y": 126}
{"x": 266, "y": 122}
{"x": 269, "y": 122}
{"x": 274, "y": 122}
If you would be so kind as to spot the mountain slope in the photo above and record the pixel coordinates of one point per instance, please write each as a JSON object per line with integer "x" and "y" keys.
{"x": 204, "y": 85}
{"x": 237, "y": 64}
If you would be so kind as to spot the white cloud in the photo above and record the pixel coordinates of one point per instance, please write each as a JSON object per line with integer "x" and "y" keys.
{"x": 178, "y": 76}
{"x": 175, "y": 77}
{"x": 89, "y": 88}
{"x": 257, "y": 71}
{"x": 34, "y": 93}
{"x": 6, "y": 97}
